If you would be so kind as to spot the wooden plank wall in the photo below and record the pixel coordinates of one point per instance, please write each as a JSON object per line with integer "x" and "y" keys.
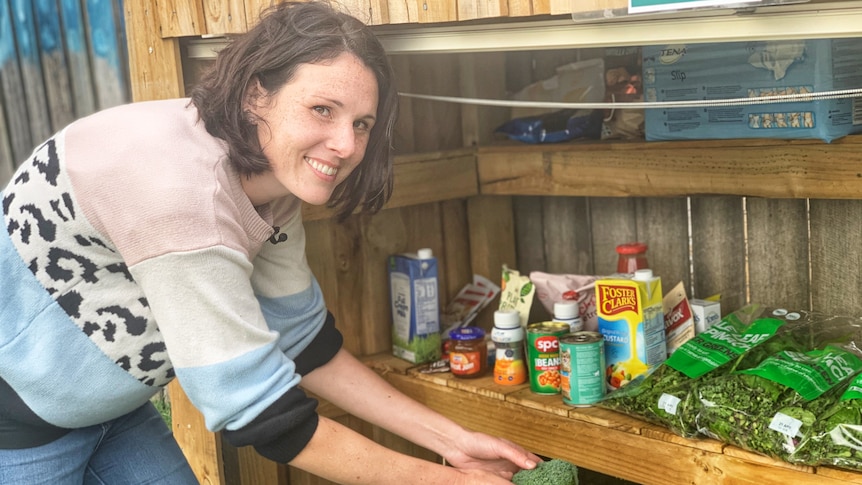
{"x": 59, "y": 60}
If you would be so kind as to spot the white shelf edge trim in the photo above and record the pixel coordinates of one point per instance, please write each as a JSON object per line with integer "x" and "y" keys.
{"x": 566, "y": 34}
{"x": 809, "y": 22}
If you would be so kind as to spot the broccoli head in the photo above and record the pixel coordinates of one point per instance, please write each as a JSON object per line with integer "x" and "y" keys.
{"x": 552, "y": 472}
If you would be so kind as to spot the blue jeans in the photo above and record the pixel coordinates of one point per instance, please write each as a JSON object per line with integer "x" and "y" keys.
{"x": 135, "y": 449}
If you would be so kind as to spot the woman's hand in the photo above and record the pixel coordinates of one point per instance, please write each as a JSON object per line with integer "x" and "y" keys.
{"x": 478, "y": 451}
{"x": 478, "y": 477}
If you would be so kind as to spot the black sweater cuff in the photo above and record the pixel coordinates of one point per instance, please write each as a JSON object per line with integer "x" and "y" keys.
{"x": 282, "y": 430}
{"x": 322, "y": 349}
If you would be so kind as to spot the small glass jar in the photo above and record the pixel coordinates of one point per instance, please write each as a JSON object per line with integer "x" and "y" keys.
{"x": 468, "y": 352}
{"x": 632, "y": 257}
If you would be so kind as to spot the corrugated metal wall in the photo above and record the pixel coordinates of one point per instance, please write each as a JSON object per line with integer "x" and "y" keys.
{"x": 59, "y": 60}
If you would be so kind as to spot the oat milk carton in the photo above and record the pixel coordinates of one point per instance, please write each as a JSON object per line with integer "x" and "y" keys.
{"x": 631, "y": 320}
{"x": 415, "y": 306}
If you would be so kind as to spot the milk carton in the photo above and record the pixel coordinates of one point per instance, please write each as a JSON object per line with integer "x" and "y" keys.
{"x": 415, "y": 306}
{"x": 631, "y": 320}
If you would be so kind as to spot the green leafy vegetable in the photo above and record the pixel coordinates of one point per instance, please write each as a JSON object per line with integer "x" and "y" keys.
{"x": 666, "y": 396}
{"x": 769, "y": 408}
{"x": 835, "y": 438}
{"x": 552, "y": 472}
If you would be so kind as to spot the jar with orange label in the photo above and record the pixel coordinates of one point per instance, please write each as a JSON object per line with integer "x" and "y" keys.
{"x": 468, "y": 352}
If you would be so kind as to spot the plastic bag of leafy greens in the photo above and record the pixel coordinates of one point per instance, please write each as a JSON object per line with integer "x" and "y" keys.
{"x": 835, "y": 438}
{"x": 816, "y": 329}
{"x": 766, "y": 409}
{"x": 665, "y": 395}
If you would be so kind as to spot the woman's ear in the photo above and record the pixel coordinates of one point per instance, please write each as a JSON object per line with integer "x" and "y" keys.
{"x": 254, "y": 94}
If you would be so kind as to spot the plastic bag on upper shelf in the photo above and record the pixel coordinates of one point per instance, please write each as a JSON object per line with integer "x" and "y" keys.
{"x": 556, "y": 127}
{"x": 576, "y": 82}
{"x": 623, "y": 84}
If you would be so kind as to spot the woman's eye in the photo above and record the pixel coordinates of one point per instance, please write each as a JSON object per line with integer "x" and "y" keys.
{"x": 323, "y": 110}
{"x": 362, "y": 125}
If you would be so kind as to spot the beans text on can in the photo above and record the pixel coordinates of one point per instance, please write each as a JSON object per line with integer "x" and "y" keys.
{"x": 582, "y": 367}
{"x": 543, "y": 353}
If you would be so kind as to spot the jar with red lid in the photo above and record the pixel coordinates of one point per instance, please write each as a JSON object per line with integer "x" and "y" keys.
{"x": 468, "y": 352}
{"x": 632, "y": 257}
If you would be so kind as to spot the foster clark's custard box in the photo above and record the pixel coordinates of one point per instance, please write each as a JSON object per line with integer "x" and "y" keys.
{"x": 415, "y": 307}
{"x": 631, "y": 320}
{"x": 714, "y": 71}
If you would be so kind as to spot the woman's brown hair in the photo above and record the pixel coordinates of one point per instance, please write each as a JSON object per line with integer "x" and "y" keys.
{"x": 288, "y": 35}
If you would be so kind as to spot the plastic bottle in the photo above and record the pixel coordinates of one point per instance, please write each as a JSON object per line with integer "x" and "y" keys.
{"x": 568, "y": 312}
{"x": 510, "y": 369}
{"x": 632, "y": 257}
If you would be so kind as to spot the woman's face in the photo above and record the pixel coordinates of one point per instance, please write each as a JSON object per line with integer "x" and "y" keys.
{"x": 314, "y": 131}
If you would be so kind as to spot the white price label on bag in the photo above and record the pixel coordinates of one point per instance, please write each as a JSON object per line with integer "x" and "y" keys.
{"x": 785, "y": 424}
{"x": 668, "y": 403}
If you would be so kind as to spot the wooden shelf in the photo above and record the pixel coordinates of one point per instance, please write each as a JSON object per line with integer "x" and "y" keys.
{"x": 759, "y": 168}
{"x": 423, "y": 178}
{"x": 594, "y": 438}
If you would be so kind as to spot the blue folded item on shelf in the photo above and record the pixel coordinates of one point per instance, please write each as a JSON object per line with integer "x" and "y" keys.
{"x": 555, "y": 127}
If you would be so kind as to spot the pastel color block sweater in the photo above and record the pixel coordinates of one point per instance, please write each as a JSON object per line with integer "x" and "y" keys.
{"x": 131, "y": 257}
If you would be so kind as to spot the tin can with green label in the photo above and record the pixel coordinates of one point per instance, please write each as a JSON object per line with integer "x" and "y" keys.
{"x": 582, "y": 368}
{"x": 543, "y": 353}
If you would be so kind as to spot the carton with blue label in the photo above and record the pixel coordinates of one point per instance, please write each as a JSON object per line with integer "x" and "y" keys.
{"x": 631, "y": 320}
{"x": 748, "y": 70}
{"x": 415, "y": 306}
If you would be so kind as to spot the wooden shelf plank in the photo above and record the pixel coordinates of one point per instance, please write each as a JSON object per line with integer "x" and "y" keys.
{"x": 599, "y": 439}
{"x": 759, "y": 168}
{"x": 423, "y": 178}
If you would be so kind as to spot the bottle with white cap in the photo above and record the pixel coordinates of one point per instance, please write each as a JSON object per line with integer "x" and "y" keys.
{"x": 510, "y": 369}
{"x": 568, "y": 312}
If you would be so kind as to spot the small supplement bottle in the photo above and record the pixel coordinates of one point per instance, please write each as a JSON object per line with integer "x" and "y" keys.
{"x": 508, "y": 336}
{"x": 632, "y": 257}
{"x": 468, "y": 352}
{"x": 568, "y": 312}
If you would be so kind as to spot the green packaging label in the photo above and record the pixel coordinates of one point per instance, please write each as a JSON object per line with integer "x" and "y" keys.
{"x": 721, "y": 343}
{"x": 854, "y": 391}
{"x": 810, "y": 373}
